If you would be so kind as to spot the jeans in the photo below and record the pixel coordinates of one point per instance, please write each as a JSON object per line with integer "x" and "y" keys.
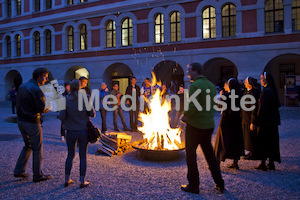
{"x": 133, "y": 123}
{"x": 119, "y": 112}
{"x": 193, "y": 138}
{"x": 62, "y": 130}
{"x": 72, "y": 137}
{"x": 32, "y": 134}
{"x": 103, "y": 113}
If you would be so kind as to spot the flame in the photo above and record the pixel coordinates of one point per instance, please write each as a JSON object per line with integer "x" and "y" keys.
{"x": 156, "y": 127}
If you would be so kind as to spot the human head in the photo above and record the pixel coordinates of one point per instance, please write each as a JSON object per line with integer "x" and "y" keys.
{"x": 40, "y": 75}
{"x": 250, "y": 83}
{"x": 116, "y": 86}
{"x": 267, "y": 79}
{"x": 147, "y": 82}
{"x": 226, "y": 87}
{"x": 67, "y": 86}
{"x": 163, "y": 87}
{"x": 181, "y": 88}
{"x": 133, "y": 80}
{"x": 263, "y": 80}
{"x": 194, "y": 70}
{"x": 83, "y": 81}
{"x": 75, "y": 85}
{"x": 103, "y": 86}
{"x": 13, "y": 88}
{"x": 233, "y": 84}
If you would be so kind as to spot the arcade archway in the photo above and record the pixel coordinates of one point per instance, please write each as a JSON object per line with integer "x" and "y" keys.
{"x": 118, "y": 73}
{"x": 170, "y": 73}
{"x": 76, "y": 72}
{"x": 12, "y": 78}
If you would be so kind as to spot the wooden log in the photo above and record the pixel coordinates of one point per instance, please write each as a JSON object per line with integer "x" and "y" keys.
{"x": 106, "y": 145}
{"x": 111, "y": 142}
{"x": 106, "y": 150}
{"x": 177, "y": 144}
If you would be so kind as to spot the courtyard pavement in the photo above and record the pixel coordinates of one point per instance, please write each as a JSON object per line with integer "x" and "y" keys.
{"x": 129, "y": 177}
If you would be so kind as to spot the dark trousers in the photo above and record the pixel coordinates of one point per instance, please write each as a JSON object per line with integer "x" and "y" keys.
{"x": 33, "y": 138}
{"x": 13, "y": 106}
{"x": 119, "y": 112}
{"x": 62, "y": 130}
{"x": 103, "y": 113}
{"x": 193, "y": 138}
{"x": 133, "y": 123}
{"x": 72, "y": 138}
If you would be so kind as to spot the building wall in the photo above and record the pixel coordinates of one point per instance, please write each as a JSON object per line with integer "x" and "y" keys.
{"x": 250, "y": 50}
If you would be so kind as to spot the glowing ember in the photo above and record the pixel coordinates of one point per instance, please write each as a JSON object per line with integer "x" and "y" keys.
{"x": 156, "y": 127}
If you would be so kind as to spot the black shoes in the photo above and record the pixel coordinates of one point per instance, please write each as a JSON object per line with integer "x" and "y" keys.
{"x": 189, "y": 189}
{"x": 85, "y": 184}
{"x": 233, "y": 166}
{"x": 42, "y": 178}
{"x": 270, "y": 166}
{"x": 21, "y": 175}
{"x": 69, "y": 183}
{"x": 261, "y": 167}
{"x": 221, "y": 188}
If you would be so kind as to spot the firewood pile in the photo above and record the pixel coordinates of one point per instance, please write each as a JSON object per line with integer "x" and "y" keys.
{"x": 114, "y": 143}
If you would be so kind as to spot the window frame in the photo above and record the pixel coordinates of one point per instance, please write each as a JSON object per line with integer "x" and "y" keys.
{"x": 129, "y": 30}
{"x": 210, "y": 18}
{"x": 19, "y": 7}
{"x": 83, "y": 37}
{"x": 37, "y": 43}
{"x": 37, "y": 5}
{"x": 161, "y": 28}
{"x": 177, "y": 25}
{"x": 111, "y": 30}
{"x": 274, "y": 10}
{"x": 48, "y": 4}
{"x": 8, "y": 46}
{"x": 18, "y": 45}
{"x": 70, "y": 39}
{"x": 8, "y": 8}
{"x": 229, "y": 17}
{"x": 297, "y": 17}
{"x": 48, "y": 40}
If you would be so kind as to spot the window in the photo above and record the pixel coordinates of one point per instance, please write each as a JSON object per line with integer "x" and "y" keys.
{"x": 111, "y": 34}
{"x": 48, "y": 4}
{"x": 19, "y": 7}
{"x": 37, "y": 5}
{"x": 83, "y": 1}
{"x": 8, "y": 8}
{"x": 83, "y": 37}
{"x": 209, "y": 23}
{"x": 70, "y": 32}
{"x": 286, "y": 69}
{"x": 70, "y": 2}
{"x": 37, "y": 42}
{"x": 159, "y": 28}
{"x": 18, "y": 45}
{"x": 8, "y": 46}
{"x": 274, "y": 16}
{"x": 48, "y": 41}
{"x": 228, "y": 20}
{"x": 127, "y": 33}
{"x": 175, "y": 26}
{"x": 296, "y": 15}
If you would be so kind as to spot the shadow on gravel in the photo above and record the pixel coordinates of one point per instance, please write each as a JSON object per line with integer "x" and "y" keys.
{"x": 13, "y": 184}
{"x": 134, "y": 158}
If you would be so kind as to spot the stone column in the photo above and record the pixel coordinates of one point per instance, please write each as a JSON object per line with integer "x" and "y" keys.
{"x": 218, "y": 24}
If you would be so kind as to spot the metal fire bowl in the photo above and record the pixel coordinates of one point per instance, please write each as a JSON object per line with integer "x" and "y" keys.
{"x": 160, "y": 155}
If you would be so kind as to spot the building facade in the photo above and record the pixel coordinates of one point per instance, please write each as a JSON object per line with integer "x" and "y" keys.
{"x": 112, "y": 40}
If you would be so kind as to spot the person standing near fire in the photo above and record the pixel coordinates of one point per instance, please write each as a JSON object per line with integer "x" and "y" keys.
{"x": 30, "y": 106}
{"x": 146, "y": 91}
{"x": 199, "y": 128}
{"x": 64, "y": 94}
{"x": 103, "y": 92}
{"x": 13, "y": 98}
{"x": 119, "y": 110}
{"x": 133, "y": 90}
{"x": 83, "y": 82}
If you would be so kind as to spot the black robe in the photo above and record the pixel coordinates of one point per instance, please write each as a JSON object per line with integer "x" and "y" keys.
{"x": 229, "y": 138}
{"x": 249, "y": 117}
{"x": 267, "y": 121}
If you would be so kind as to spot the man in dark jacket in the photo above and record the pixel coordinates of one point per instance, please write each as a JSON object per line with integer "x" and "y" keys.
{"x": 133, "y": 90}
{"x": 13, "y": 98}
{"x": 30, "y": 106}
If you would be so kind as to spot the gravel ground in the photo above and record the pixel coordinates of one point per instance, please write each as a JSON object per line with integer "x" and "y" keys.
{"x": 129, "y": 177}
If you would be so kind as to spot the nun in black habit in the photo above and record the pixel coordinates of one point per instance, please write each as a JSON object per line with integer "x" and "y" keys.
{"x": 229, "y": 138}
{"x": 249, "y": 116}
{"x": 266, "y": 123}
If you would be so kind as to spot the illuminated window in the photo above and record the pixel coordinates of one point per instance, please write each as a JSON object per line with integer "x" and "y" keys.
{"x": 48, "y": 4}
{"x": 209, "y": 22}
{"x": 175, "y": 26}
{"x": 83, "y": 37}
{"x": 274, "y": 16}
{"x": 8, "y": 46}
{"x": 8, "y": 8}
{"x": 111, "y": 34}
{"x": 48, "y": 41}
{"x": 228, "y": 20}
{"x": 83, "y": 1}
{"x": 37, "y": 42}
{"x": 159, "y": 28}
{"x": 37, "y": 5}
{"x": 70, "y": 2}
{"x": 70, "y": 37}
{"x": 19, "y": 7}
{"x": 296, "y": 15}
{"x": 18, "y": 45}
{"x": 127, "y": 33}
